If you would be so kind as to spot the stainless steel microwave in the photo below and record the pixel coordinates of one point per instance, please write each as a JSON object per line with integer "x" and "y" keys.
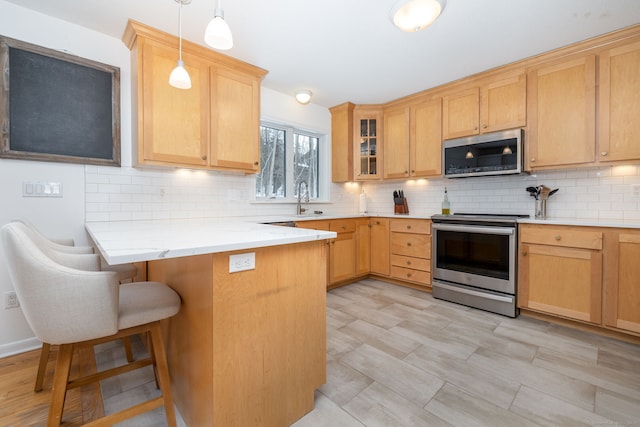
{"x": 498, "y": 153}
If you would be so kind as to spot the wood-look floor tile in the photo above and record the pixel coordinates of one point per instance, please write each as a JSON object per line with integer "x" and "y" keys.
{"x": 623, "y": 409}
{"x": 378, "y": 406}
{"x": 626, "y": 383}
{"x": 569, "y": 347}
{"x": 392, "y": 343}
{"x": 460, "y": 408}
{"x": 575, "y": 391}
{"x": 438, "y": 339}
{"x": 416, "y": 315}
{"x": 553, "y": 412}
{"x": 375, "y": 316}
{"x": 465, "y": 315}
{"x": 408, "y": 381}
{"x": 479, "y": 381}
{"x": 487, "y": 339}
{"x": 327, "y": 414}
{"x": 343, "y": 382}
{"x": 337, "y": 318}
{"x": 339, "y": 343}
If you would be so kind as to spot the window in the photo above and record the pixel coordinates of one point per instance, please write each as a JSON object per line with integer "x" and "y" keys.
{"x": 288, "y": 157}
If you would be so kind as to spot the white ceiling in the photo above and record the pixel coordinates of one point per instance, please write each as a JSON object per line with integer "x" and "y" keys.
{"x": 348, "y": 50}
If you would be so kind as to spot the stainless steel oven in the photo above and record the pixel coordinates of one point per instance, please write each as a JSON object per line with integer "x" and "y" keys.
{"x": 474, "y": 260}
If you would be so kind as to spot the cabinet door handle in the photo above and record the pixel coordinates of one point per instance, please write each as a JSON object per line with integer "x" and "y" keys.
{"x": 344, "y": 227}
{"x": 204, "y": 157}
{"x": 408, "y": 227}
{"x": 533, "y": 160}
{"x": 525, "y": 253}
{"x": 558, "y": 237}
{"x": 256, "y": 163}
{"x": 406, "y": 172}
{"x": 604, "y": 153}
{"x": 484, "y": 126}
{"x": 408, "y": 243}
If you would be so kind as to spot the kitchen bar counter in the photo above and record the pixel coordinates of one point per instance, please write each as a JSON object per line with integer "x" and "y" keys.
{"x": 248, "y": 346}
{"x": 122, "y": 242}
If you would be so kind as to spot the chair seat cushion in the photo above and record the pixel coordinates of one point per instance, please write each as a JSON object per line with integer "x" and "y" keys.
{"x": 145, "y": 302}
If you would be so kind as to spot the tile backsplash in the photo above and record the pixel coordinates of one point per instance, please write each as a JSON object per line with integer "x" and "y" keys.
{"x": 127, "y": 193}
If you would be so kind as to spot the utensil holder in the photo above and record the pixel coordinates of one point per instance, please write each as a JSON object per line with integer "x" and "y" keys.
{"x": 541, "y": 209}
{"x": 402, "y": 207}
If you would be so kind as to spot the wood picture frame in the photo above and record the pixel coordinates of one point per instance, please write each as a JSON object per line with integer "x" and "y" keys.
{"x": 57, "y": 107}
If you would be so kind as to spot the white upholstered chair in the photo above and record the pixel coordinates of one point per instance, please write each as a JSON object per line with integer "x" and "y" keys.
{"x": 78, "y": 257}
{"x": 71, "y": 308}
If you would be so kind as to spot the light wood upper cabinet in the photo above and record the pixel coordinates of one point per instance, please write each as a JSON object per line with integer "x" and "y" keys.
{"x": 619, "y": 103}
{"x": 497, "y": 104}
{"x": 235, "y": 124}
{"x": 396, "y": 137}
{"x": 621, "y": 280}
{"x": 342, "y": 142}
{"x": 413, "y": 140}
{"x": 561, "y": 110}
{"x": 213, "y": 125}
{"x": 367, "y": 142}
{"x": 162, "y": 106}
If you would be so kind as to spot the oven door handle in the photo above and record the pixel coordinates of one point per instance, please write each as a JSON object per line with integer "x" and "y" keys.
{"x": 471, "y": 229}
{"x": 484, "y": 295}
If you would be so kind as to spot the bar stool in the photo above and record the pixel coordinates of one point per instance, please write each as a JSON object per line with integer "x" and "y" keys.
{"x": 73, "y": 308}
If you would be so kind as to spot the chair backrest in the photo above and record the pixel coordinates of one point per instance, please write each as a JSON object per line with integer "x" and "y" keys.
{"x": 62, "y": 305}
{"x": 80, "y": 261}
{"x": 66, "y": 245}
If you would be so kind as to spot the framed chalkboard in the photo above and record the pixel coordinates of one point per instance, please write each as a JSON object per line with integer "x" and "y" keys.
{"x": 57, "y": 107}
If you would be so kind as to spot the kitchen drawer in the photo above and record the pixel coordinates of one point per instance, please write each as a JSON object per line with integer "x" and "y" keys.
{"x": 410, "y": 275}
{"x": 417, "y": 226}
{"x": 411, "y": 262}
{"x": 414, "y": 245}
{"x": 570, "y": 237}
{"x": 343, "y": 226}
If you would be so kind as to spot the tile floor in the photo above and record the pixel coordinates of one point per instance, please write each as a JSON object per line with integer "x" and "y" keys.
{"x": 398, "y": 357}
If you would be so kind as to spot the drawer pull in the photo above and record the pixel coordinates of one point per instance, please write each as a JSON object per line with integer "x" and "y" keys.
{"x": 558, "y": 237}
{"x": 204, "y": 157}
{"x": 408, "y": 243}
{"x": 408, "y": 262}
{"x": 525, "y": 253}
{"x": 408, "y": 227}
{"x": 344, "y": 227}
{"x": 408, "y": 274}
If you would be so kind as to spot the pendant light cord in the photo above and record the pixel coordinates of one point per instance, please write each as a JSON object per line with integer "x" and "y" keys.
{"x": 180, "y": 27}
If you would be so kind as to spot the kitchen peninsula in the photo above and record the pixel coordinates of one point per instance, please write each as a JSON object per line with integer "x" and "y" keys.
{"x": 248, "y": 345}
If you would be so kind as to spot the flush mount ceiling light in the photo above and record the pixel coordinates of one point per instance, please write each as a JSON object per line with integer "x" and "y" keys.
{"x": 218, "y": 34}
{"x": 179, "y": 77}
{"x": 303, "y": 96}
{"x": 416, "y": 15}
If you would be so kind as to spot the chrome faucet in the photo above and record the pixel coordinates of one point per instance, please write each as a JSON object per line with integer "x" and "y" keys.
{"x": 299, "y": 208}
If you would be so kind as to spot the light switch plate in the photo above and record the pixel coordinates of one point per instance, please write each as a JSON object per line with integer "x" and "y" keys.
{"x": 242, "y": 262}
{"x": 41, "y": 189}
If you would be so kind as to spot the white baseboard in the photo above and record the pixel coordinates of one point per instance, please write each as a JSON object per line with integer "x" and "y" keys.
{"x": 19, "y": 347}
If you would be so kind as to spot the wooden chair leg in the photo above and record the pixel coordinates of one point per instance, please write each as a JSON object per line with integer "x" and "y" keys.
{"x": 160, "y": 357}
{"x": 60, "y": 381}
{"x": 127, "y": 349}
{"x": 42, "y": 366}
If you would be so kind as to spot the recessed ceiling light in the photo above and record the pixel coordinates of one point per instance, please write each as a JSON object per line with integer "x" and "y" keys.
{"x": 416, "y": 15}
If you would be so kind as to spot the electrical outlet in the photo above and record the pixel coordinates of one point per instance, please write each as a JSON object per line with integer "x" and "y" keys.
{"x": 11, "y": 300}
{"x": 635, "y": 190}
{"x": 242, "y": 262}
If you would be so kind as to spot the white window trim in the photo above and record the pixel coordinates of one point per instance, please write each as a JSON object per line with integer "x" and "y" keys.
{"x": 324, "y": 166}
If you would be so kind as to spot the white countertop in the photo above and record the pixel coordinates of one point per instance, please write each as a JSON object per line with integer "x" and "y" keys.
{"x": 584, "y": 222}
{"x": 122, "y": 242}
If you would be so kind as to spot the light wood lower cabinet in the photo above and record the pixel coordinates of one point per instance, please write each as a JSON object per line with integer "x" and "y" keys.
{"x": 363, "y": 246}
{"x": 411, "y": 250}
{"x": 379, "y": 242}
{"x": 622, "y": 279}
{"x": 243, "y": 343}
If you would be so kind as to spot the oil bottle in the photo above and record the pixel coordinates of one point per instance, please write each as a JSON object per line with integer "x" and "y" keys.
{"x": 446, "y": 207}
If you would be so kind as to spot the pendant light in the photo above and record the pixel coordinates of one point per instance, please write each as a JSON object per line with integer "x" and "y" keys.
{"x": 179, "y": 77}
{"x": 218, "y": 34}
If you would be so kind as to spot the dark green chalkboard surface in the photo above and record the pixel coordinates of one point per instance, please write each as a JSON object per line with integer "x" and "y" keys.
{"x": 58, "y": 107}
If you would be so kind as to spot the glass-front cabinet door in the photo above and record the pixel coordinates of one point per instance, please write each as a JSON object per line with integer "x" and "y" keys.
{"x": 368, "y": 141}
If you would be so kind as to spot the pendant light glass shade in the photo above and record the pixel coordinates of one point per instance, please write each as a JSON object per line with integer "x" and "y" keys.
{"x": 218, "y": 34}
{"x": 179, "y": 77}
{"x": 416, "y": 15}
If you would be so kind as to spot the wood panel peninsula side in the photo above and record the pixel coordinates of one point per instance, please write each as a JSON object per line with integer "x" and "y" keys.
{"x": 247, "y": 348}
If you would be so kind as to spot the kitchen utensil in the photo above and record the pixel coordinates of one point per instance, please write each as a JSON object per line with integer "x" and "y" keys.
{"x": 544, "y": 192}
{"x": 552, "y": 192}
{"x": 533, "y": 192}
